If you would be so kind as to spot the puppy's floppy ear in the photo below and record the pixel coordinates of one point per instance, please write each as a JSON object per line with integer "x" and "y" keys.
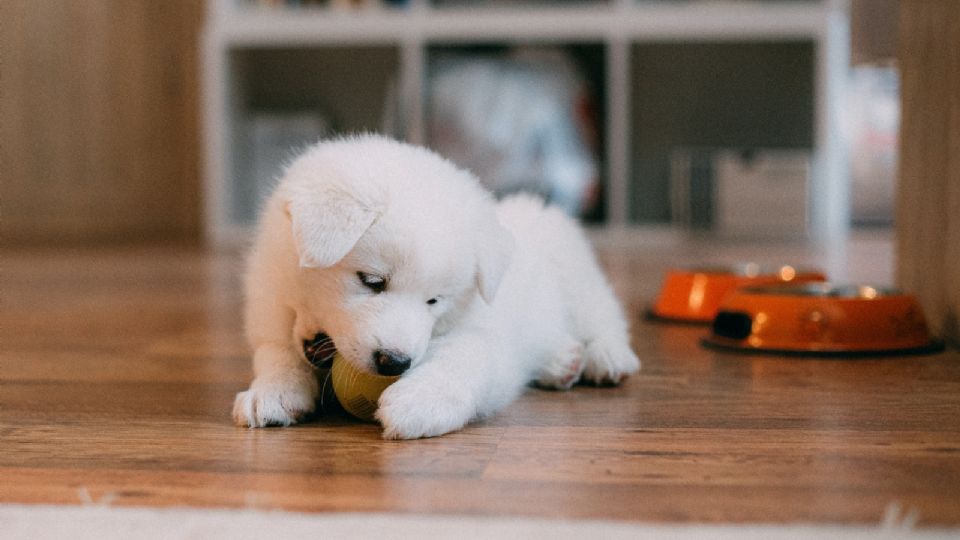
{"x": 327, "y": 224}
{"x": 494, "y": 252}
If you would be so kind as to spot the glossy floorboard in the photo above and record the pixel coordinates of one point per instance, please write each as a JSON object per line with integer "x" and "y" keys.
{"x": 118, "y": 369}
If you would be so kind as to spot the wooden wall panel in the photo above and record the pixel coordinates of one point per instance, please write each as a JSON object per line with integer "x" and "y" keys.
{"x": 928, "y": 213}
{"x": 99, "y": 120}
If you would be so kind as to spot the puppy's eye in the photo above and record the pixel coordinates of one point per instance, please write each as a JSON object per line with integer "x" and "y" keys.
{"x": 432, "y": 301}
{"x": 376, "y": 284}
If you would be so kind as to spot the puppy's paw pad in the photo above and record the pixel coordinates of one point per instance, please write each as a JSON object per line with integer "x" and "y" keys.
{"x": 408, "y": 412}
{"x": 275, "y": 401}
{"x": 609, "y": 362}
{"x": 563, "y": 370}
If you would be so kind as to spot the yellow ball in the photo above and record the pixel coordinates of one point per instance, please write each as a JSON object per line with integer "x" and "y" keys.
{"x": 357, "y": 391}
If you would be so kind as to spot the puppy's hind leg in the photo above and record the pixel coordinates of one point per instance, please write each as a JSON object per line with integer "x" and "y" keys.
{"x": 609, "y": 360}
{"x": 563, "y": 368}
{"x": 599, "y": 322}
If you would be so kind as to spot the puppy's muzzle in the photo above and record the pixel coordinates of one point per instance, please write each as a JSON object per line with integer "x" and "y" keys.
{"x": 390, "y": 362}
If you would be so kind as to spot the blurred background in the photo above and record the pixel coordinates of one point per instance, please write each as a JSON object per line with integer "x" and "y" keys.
{"x": 134, "y": 121}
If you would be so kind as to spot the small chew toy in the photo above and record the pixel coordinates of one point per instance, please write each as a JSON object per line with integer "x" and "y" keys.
{"x": 342, "y": 385}
{"x": 357, "y": 391}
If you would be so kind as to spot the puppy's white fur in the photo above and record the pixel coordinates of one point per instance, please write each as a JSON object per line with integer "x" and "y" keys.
{"x": 519, "y": 295}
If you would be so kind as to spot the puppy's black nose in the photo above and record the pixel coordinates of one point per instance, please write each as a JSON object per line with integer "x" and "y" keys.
{"x": 390, "y": 362}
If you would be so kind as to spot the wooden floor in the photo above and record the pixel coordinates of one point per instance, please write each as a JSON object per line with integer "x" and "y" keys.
{"x": 119, "y": 367}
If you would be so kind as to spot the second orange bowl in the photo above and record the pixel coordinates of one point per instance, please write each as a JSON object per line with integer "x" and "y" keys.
{"x": 820, "y": 319}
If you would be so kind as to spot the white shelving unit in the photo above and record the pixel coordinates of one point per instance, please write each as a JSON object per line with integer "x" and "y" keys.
{"x": 236, "y": 30}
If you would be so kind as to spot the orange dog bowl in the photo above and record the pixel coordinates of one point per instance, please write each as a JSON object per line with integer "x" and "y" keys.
{"x": 694, "y": 295}
{"x": 819, "y": 319}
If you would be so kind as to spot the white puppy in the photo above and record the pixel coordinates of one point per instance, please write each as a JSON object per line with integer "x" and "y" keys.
{"x": 411, "y": 267}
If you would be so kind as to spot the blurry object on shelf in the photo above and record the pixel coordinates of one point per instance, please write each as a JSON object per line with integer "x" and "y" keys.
{"x": 351, "y": 5}
{"x": 392, "y": 122}
{"x": 271, "y": 140}
{"x": 513, "y": 3}
{"x": 285, "y": 4}
{"x": 758, "y": 194}
{"x": 762, "y": 194}
{"x": 691, "y": 188}
{"x": 873, "y": 30}
{"x": 872, "y": 118}
{"x": 521, "y": 122}
{"x": 345, "y": 5}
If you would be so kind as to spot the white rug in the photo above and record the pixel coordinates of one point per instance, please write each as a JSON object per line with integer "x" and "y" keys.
{"x": 100, "y": 522}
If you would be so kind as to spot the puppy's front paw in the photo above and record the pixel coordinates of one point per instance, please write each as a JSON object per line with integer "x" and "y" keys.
{"x": 276, "y": 400}
{"x": 408, "y": 410}
{"x": 609, "y": 361}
